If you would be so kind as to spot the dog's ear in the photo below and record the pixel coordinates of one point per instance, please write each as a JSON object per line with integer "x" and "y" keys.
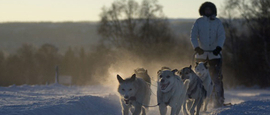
{"x": 165, "y": 68}
{"x": 197, "y": 63}
{"x": 173, "y": 71}
{"x": 146, "y": 71}
{"x": 119, "y": 78}
{"x": 190, "y": 69}
{"x": 179, "y": 72}
{"x": 158, "y": 72}
{"x": 205, "y": 64}
{"x": 133, "y": 77}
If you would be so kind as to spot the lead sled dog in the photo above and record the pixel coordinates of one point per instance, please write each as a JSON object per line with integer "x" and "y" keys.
{"x": 134, "y": 93}
{"x": 171, "y": 91}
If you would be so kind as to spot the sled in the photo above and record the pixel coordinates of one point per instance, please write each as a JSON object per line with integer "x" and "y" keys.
{"x": 227, "y": 104}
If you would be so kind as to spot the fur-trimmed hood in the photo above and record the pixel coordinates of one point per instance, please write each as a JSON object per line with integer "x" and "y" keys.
{"x": 210, "y": 5}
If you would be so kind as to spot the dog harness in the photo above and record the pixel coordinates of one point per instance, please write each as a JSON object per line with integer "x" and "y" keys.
{"x": 194, "y": 89}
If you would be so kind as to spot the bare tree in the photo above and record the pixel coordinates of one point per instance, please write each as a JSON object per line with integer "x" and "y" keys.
{"x": 255, "y": 16}
{"x": 133, "y": 26}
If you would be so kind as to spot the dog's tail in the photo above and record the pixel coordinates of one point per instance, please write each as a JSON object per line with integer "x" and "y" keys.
{"x": 186, "y": 84}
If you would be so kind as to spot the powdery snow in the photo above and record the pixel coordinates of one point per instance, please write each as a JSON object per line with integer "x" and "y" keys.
{"x": 101, "y": 100}
{"x": 58, "y": 100}
{"x": 246, "y": 102}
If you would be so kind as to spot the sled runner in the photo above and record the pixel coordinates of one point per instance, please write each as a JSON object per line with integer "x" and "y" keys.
{"x": 227, "y": 104}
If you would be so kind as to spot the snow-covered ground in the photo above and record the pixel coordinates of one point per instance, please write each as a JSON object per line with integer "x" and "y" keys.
{"x": 103, "y": 100}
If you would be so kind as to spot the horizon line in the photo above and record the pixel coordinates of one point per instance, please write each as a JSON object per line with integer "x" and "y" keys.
{"x": 71, "y": 21}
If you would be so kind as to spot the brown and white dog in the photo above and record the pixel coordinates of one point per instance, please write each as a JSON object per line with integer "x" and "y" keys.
{"x": 171, "y": 91}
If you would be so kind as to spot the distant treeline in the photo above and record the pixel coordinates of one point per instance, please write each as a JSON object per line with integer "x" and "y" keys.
{"x": 31, "y": 65}
{"x": 60, "y": 34}
{"x": 37, "y": 66}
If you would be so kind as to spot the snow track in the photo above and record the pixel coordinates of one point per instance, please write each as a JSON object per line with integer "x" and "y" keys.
{"x": 100, "y": 100}
{"x": 258, "y": 107}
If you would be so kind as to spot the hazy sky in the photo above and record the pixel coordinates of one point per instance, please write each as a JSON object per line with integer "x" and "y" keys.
{"x": 85, "y": 10}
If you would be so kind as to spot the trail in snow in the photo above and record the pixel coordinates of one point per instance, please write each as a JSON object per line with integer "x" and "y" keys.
{"x": 246, "y": 102}
{"x": 101, "y": 100}
{"x": 58, "y": 100}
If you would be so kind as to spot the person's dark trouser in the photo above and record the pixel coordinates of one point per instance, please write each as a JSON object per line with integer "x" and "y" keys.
{"x": 215, "y": 67}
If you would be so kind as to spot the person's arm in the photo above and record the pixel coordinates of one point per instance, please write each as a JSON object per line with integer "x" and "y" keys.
{"x": 221, "y": 38}
{"x": 221, "y": 35}
{"x": 194, "y": 35}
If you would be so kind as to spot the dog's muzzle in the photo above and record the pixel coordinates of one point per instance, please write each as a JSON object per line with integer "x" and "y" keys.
{"x": 164, "y": 86}
{"x": 133, "y": 98}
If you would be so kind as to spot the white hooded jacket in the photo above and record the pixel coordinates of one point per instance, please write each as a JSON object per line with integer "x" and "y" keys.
{"x": 207, "y": 34}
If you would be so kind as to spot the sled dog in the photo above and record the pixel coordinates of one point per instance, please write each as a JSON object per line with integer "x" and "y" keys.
{"x": 134, "y": 94}
{"x": 142, "y": 73}
{"x": 202, "y": 71}
{"x": 195, "y": 93}
{"x": 171, "y": 91}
